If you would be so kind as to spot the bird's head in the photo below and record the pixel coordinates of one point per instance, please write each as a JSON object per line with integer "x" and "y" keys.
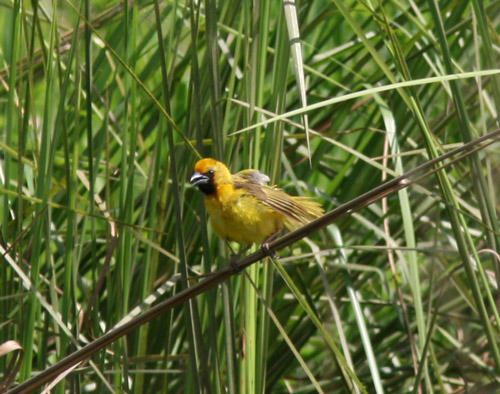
{"x": 208, "y": 174}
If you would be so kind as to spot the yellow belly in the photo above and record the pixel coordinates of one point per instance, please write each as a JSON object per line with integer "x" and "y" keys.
{"x": 242, "y": 218}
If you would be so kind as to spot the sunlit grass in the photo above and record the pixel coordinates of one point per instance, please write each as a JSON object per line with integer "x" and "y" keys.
{"x": 102, "y": 123}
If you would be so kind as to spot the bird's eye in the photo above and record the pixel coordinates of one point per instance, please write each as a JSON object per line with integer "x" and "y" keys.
{"x": 210, "y": 172}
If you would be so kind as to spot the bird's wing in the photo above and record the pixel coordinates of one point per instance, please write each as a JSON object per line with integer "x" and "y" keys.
{"x": 252, "y": 182}
{"x": 251, "y": 175}
{"x": 296, "y": 209}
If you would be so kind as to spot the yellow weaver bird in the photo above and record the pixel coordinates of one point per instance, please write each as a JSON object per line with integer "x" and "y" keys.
{"x": 242, "y": 207}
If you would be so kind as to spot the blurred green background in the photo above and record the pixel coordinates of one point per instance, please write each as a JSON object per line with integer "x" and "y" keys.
{"x": 106, "y": 106}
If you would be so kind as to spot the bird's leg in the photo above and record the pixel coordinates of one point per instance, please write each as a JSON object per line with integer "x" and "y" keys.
{"x": 232, "y": 262}
{"x": 265, "y": 248}
{"x": 235, "y": 257}
{"x": 265, "y": 245}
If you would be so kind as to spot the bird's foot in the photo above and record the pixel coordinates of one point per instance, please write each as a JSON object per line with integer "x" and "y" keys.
{"x": 266, "y": 249}
{"x": 266, "y": 245}
{"x": 233, "y": 262}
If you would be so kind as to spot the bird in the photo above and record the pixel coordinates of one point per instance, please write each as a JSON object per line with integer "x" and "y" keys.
{"x": 244, "y": 208}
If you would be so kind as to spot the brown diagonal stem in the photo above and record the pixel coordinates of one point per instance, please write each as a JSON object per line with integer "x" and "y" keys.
{"x": 214, "y": 279}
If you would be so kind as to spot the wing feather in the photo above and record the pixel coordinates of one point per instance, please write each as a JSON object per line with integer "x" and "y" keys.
{"x": 252, "y": 175}
{"x": 296, "y": 210}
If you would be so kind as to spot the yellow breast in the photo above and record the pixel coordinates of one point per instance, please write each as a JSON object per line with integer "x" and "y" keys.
{"x": 238, "y": 216}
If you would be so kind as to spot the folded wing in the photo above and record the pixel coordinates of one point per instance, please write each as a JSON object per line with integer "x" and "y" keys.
{"x": 296, "y": 210}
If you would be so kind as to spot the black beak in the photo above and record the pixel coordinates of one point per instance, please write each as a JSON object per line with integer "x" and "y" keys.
{"x": 198, "y": 179}
{"x": 204, "y": 182}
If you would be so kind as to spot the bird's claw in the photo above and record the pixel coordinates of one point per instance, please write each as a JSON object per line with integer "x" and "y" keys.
{"x": 233, "y": 262}
{"x": 266, "y": 249}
